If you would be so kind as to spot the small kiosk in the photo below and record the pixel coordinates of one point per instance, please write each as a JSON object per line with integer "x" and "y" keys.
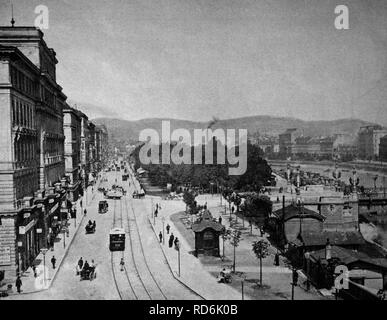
{"x": 207, "y": 231}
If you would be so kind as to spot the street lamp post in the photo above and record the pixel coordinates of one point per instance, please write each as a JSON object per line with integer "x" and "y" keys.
{"x": 75, "y": 217}
{"x": 243, "y": 285}
{"x": 152, "y": 213}
{"x": 20, "y": 245}
{"x": 163, "y": 221}
{"x": 44, "y": 251}
{"x": 375, "y": 178}
{"x": 294, "y": 281}
{"x": 307, "y": 258}
{"x": 178, "y": 255}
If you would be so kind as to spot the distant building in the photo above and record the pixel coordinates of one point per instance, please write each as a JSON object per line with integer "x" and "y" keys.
{"x": 326, "y": 147}
{"x": 345, "y": 146}
{"x": 316, "y": 147}
{"x": 368, "y": 141}
{"x": 92, "y": 148}
{"x": 85, "y": 164}
{"x": 306, "y": 146}
{"x": 101, "y": 144}
{"x": 268, "y": 144}
{"x": 383, "y": 148}
{"x": 72, "y": 131}
{"x": 287, "y": 141}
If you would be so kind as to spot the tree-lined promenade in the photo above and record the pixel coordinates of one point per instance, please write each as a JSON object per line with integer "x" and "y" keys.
{"x": 210, "y": 177}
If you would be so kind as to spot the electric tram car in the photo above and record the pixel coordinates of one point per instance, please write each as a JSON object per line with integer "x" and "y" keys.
{"x": 117, "y": 239}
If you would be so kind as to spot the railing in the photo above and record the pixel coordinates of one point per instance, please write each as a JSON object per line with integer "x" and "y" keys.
{"x": 356, "y": 291}
{"x": 53, "y": 159}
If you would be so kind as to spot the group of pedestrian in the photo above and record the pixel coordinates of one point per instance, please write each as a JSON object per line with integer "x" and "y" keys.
{"x": 172, "y": 239}
{"x": 85, "y": 266}
{"x": 19, "y": 282}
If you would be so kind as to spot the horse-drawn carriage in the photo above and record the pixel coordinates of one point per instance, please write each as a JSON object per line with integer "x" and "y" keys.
{"x": 103, "y": 206}
{"x": 90, "y": 228}
{"x": 88, "y": 273}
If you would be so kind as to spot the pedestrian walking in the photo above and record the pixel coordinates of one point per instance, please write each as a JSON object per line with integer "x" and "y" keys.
{"x": 171, "y": 238}
{"x": 156, "y": 212}
{"x": 176, "y": 243}
{"x": 80, "y": 263}
{"x": 122, "y": 264}
{"x": 161, "y": 237}
{"x": 34, "y": 270}
{"x": 276, "y": 259}
{"x": 53, "y": 261}
{"x": 85, "y": 212}
{"x": 168, "y": 228}
{"x": 18, "y": 284}
{"x": 220, "y": 220}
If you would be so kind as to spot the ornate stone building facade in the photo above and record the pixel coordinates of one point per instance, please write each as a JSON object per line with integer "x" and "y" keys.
{"x": 32, "y": 171}
{"x": 72, "y": 131}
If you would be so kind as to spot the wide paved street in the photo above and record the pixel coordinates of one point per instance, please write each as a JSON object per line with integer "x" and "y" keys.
{"x": 146, "y": 274}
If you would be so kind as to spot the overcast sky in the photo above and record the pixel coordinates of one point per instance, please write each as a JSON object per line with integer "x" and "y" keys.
{"x": 194, "y": 59}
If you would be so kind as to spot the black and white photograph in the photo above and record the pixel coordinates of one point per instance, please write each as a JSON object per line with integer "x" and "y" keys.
{"x": 193, "y": 150}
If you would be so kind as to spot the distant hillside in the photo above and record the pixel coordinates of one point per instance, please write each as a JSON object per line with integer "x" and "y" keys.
{"x": 123, "y": 130}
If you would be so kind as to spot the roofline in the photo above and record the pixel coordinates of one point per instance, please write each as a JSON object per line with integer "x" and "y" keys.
{"x": 11, "y": 50}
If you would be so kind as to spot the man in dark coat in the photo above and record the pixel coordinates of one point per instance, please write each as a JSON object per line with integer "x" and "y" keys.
{"x": 171, "y": 238}
{"x": 168, "y": 228}
{"x": 53, "y": 261}
{"x": 80, "y": 263}
{"x": 176, "y": 243}
{"x": 161, "y": 237}
{"x": 18, "y": 284}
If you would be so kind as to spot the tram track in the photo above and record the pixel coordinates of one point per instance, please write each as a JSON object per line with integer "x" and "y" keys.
{"x": 131, "y": 275}
{"x": 124, "y": 293}
{"x": 152, "y": 287}
{"x": 180, "y": 283}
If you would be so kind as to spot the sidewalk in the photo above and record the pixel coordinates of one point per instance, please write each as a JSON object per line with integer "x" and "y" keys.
{"x": 192, "y": 272}
{"x": 61, "y": 247}
{"x": 276, "y": 280}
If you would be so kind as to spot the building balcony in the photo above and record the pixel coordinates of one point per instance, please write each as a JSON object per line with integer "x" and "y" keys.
{"x": 48, "y": 160}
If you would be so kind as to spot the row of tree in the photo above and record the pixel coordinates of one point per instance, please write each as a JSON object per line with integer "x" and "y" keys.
{"x": 209, "y": 176}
